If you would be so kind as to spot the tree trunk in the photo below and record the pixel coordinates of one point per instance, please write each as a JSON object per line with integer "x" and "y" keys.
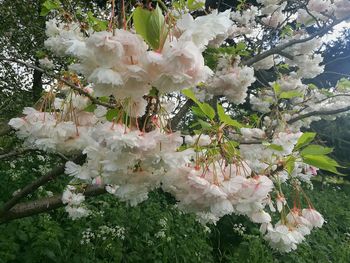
{"x": 37, "y": 87}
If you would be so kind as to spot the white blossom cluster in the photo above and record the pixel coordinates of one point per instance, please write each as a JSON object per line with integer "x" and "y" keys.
{"x": 121, "y": 64}
{"x": 322, "y": 9}
{"x": 244, "y": 21}
{"x": 304, "y": 100}
{"x": 212, "y": 194}
{"x": 132, "y": 163}
{"x": 203, "y": 178}
{"x": 298, "y": 224}
{"x": 42, "y": 130}
{"x": 273, "y": 11}
{"x": 231, "y": 80}
{"x": 74, "y": 203}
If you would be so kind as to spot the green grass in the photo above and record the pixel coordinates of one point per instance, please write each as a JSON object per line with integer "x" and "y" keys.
{"x": 331, "y": 243}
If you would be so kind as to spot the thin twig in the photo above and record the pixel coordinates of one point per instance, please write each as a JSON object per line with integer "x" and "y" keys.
{"x": 281, "y": 47}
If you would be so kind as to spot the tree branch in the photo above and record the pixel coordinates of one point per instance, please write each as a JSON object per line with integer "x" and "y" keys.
{"x": 59, "y": 78}
{"x": 317, "y": 113}
{"x": 45, "y": 204}
{"x": 279, "y": 48}
{"x": 53, "y": 174}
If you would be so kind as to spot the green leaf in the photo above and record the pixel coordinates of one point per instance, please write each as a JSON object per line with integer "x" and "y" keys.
{"x": 211, "y": 59}
{"x": 150, "y": 25}
{"x": 104, "y": 99}
{"x": 276, "y": 88}
{"x": 240, "y": 46}
{"x": 96, "y": 24}
{"x": 314, "y": 149}
{"x": 198, "y": 112}
{"x": 223, "y": 117}
{"x": 343, "y": 84}
{"x": 275, "y": 147}
{"x": 141, "y": 20}
{"x": 323, "y": 162}
{"x": 48, "y": 6}
{"x": 312, "y": 86}
{"x": 40, "y": 54}
{"x": 153, "y": 92}
{"x": 305, "y": 139}
{"x": 205, "y": 125}
{"x": 283, "y": 66}
{"x": 287, "y": 31}
{"x": 111, "y": 114}
{"x": 290, "y": 164}
{"x": 290, "y": 94}
{"x": 189, "y": 94}
{"x": 207, "y": 110}
{"x": 90, "y": 108}
{"x": 193, "y": 5}
{"x": 204, "y": 107}
{"x": 232, "y": 144}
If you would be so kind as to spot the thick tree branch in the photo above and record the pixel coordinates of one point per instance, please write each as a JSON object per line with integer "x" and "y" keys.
{"x": 318, "y": 113}
{"x": 44, "y": 205}
{"x": 278, "y": 49}
{"x": 320, "y": 101}
{"x": 59, "y": 78}
{"x": 53, "y": 174}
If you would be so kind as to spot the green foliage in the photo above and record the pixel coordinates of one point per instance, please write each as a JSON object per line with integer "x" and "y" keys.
{"x": 343, "y": 84}
{"x": 322, "y": 161}
{"x": 290, "y": 164}
{"x": 314, "y": 149}
{"x": 152, "y": 232}
{"x": 305, "y": 139}
{"x": 203, "y": 109}
{"x": 276, "y": 88}
{"x": 287, "y": 31}
{"x": 224, "y": 118}
{"x": 194, "y": 4}
{"x": 151, "y": 26}
{"x": 285, "y": 94}
{"x": 331, "y": 243}
{"x": 315, "y": 155}
{"x": 212, "y": 55}
{"x": 112, "y": 114}
{"x": 275, "y": 147}
{"x": 48, "y": 6}
{"x": 95, "y": 23}
{"x": 290, "y": 94}
{"x": 90, "y": 108}
{"x": 191, "y": 5}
